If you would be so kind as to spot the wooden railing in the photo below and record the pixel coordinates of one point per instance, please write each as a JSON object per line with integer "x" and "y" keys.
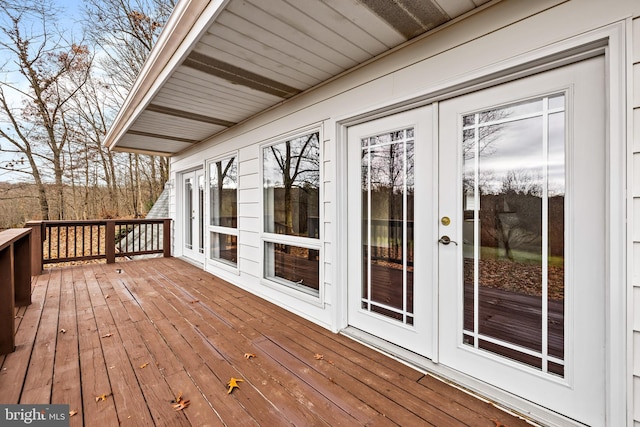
{"x": 65, "y": 241}
{"x": 15, "y": 281}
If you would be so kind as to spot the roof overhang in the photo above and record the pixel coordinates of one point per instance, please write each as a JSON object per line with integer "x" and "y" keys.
{"x": 219, "y": 62}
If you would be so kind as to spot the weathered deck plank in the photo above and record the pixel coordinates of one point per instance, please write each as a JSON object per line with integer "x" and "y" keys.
{"x": 39, "y": 380}
{"x": 191, "y": 331}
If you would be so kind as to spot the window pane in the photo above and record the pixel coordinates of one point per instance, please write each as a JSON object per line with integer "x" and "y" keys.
{"x": 291, "y": 183}
{"x": 224, "y": 247}
{"x": 294, "y": 266}
{"x": 223, "y": 192}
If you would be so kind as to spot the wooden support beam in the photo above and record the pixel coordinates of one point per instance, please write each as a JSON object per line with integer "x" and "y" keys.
{"x": 22, "y": 270}
{"x": 7, "y": 301}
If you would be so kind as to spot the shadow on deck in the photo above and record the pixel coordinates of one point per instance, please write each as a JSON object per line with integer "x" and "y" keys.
{"x": 143, "y": 332}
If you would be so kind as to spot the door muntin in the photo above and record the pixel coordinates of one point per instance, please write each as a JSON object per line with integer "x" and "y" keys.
{"x": 387, "y": 224}
{"x": 513, "y": 198}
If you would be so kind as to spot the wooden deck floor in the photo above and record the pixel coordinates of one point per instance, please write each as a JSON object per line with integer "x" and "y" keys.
{"x": 141, "y": 332}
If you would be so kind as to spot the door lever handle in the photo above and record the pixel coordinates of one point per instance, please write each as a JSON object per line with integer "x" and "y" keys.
{"x": 445, "y": 240}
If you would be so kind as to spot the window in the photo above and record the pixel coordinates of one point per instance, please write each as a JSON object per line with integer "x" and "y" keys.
{"x": 223, "y": 211}
{"x": 291, "y": 185}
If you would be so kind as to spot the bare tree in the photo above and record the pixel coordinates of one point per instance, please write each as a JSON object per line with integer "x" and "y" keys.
{"x": 43, "y": 73}
{"x": 126, "y": 30}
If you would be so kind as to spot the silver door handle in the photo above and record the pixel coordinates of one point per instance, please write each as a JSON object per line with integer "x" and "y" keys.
{"x": 445, "y": 240}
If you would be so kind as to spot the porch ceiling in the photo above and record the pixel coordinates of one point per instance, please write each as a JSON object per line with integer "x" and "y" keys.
{"x": 220, "y": 62}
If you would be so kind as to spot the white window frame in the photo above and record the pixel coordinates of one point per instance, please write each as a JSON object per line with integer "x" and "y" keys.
{"x": 284, "y": 285}
{"x": 217, "y": 228}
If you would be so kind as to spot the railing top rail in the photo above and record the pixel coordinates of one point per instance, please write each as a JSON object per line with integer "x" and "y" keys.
{"x": 104, "y": 221}
{"x": 76, "y": 222}
{"x": 7, "y": 237}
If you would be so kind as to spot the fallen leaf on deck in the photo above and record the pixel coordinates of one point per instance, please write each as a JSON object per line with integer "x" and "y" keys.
{"x": 233, "y": 383}
{"x": 180, "y": 406}
{"x": 72, "y": 413}
{"x": 144, "y": 365}
{"x": 63, "y": 331}
{"x": 194, "y": 301}
{"x": 319, "y": 356}
{"x": 180, "y": 403}
{"x": 498, "y": 423}
{"x": 102, "y": 397}
{"x": 249, "y": 355}
{"x": 178, "y": 398}
{"x": 107, "y": 335}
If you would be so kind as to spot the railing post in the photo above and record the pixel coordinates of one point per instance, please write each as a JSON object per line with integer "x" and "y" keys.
{"x": 37, "y": 239}
{"x": 22, "y": 269}
{"x": 7, "y": 302}
{"x": 110, "y": 241}
{"x": 166, "y": 237}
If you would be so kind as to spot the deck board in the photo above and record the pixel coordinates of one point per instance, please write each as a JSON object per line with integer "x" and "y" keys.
{"x": 177, "y": 329}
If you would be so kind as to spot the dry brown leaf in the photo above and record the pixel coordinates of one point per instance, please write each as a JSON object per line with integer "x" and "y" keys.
{"x": 249, "y": 355}
{"x": 144, "y": 365}
{"x": 319, "y": 356}
{"x": 102, "y": 397}
{"x": 107, "y": 335}
{"x": 233, "y": 383}
{"x": 194, "y": 301}
{"x": 498, "y": 423}
{"x": 181, "y": 405}
{"x": 72, "y": 413}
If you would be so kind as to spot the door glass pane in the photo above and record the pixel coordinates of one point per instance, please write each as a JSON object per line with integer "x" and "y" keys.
{"x": 387, "y": 218}
{"x": 188, "y": 213}
{"x": 513, "y": 231}
{"x": 201, "y": 213}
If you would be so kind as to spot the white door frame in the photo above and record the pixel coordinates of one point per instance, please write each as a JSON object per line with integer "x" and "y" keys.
{"x": 180, "y": 214}
{"x": 618, "y": 357}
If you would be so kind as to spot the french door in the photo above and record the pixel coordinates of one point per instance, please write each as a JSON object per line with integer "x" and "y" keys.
{"x": 522, "y": 175}
{"x": 478, "y": 239}
{"x": 193, "y": 187}
{"x": 390, "y": 214}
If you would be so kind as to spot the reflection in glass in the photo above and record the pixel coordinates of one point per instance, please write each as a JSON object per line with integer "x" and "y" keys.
{"x": 224, "y": 248}
{"x": 513, "y": 231}
{"x": 387, "y": 224}
{"x": 293, "y": 266}
{"x": 223, "y": 193}
{"x": 291, "y": 182}
{"x": 188, "y": 212}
